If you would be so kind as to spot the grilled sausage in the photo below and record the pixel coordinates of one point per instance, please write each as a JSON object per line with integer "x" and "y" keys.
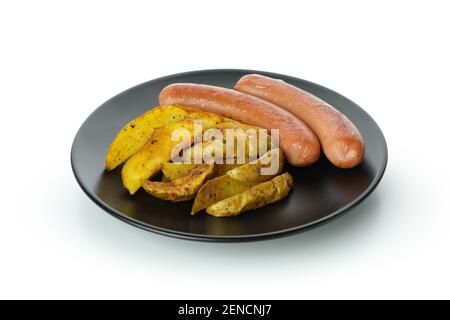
{"x": 296, "y": 140}
{"x": 341, "y": 141}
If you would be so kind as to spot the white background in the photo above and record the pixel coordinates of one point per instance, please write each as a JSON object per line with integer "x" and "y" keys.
{"x": 59, "y": 60}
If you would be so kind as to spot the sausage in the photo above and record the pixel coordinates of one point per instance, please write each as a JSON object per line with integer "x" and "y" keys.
{"x": 341, "y": 141}
{"x": 298, "y": 142}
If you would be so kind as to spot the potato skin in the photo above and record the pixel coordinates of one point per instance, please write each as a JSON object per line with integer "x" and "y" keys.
{"x": 252, "y": 171}
{"x": 256, "y": 197}
{"x": 136, "y": 133}
{"x": 180, "y": 189}
{"x": 173, "y": 170}
{"x": 148, "y": 160}
{"x": 216, "y": 190}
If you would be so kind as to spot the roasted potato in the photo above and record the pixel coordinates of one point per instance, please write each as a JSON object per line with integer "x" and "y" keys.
{"x": 255, "y": 197}
{"x": 260, "y": 170}
{"x": 137, "y": 132}
{"x": 205, "y": 150}
{"x": 253, "y": 147}
{"x": 145, "y": 163}
{"x": 222, "y": 168}
{"x": 180, "y": 189}
{"x": 217, "y": 189}
{"x": 216, "y": 147}
{"x": 176, "y": 170}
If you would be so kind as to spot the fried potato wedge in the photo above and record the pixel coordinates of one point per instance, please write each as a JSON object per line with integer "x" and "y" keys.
{"x": 145, "y": 163}
{"x": 263, "y": 169}
{"x": 222, "y": 168}
{"x": 250, "y": 135}
{"x": 176, "y": 170}
{"x": 233, "y": 124}
{"x": 204, "y": 152}
{"x": 180, "y": 189}
{"x": 137, "y": 132}
{"x": 256, "y": 197}
{"x": 208, "y": 118}
{"x": 196, "y": 153}
{"x": 217, "y": 189}
{"x": 148, "y": 161}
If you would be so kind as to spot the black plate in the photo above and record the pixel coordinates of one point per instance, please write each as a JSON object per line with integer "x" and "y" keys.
{"x": 321, "y": 192}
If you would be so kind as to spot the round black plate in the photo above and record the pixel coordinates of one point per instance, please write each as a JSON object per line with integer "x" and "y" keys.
{"x": 321, "y": 192}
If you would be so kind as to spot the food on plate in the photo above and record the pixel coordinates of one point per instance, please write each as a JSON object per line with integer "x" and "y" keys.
{"x": 298, "y": 142}
{"x": 222, "y": 168}
{"x": 255, "y": 197}
{"x": 180, "y": 189}
{"x": 233, "y": 124}
{"x": 206, "y": 151}
{"x": 231, "y": 163}
{"x": 147, "y": 162}
{"x": 175, "y": 170}
{"x": 136, "y": 133}
{"x": 257, "y": 140}
{"x": 341, "y": 141}
{"x": 260, "y": 170}
{"x": 218, "y": 189}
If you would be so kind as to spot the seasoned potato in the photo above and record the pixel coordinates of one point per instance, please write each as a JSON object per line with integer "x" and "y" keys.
{"x": 147, "y": 162}
{"x": 212, "y": 119}
{"x": 256, "y": 197}
{"x": 198, "y": 151}
{"x": 137, "y": 132}
{"x": 233, "y": 124}
{"x": 175, "y": 170}
{"x": 208, "y": 119}
{"x": 250, "y": 135}
{"x": 260, "y": 170}
{"x": 216, "y": 190}
{"x": 180, "y": 189}
{"x": 221, "y": 168}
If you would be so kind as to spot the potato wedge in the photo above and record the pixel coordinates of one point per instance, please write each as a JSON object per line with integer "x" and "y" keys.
{"x": 176, "y": 170}
{"x": 137, "y": 132}
{"x": 217, "y": 189}
{"x": 250, "y": 134}
{"x": 233, "y": 124}
{"x": 212, "y": 150}
{"x": 256, "y": 197}
{"x": 197, "y": 151}
{"x": 147, "y": 162}
{"x": 173, "y": 171}
{"x": 261, "y": 169}
{"x": 180, "y": 189}
{"x": 221, "y": 168}
{"x": 208, "y": 118}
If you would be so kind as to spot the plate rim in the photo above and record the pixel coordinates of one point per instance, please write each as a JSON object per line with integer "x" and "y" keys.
{"x": 235, "y": 238}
